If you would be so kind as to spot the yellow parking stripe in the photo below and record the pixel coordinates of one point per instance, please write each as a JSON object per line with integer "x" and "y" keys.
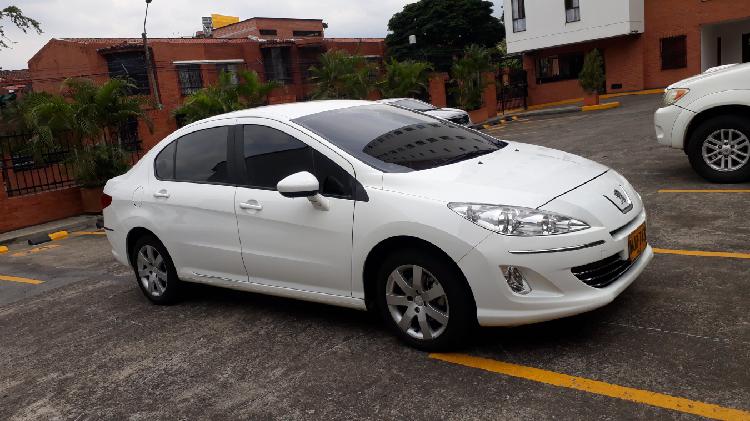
{"x": 20, "y": 280}
{"x": 597, "y": 387}
{"x": 704, "y": 191}
{"x": 35, "y": 250}
{"x": 704, "y": 253}
{"x": 89, "y": 233}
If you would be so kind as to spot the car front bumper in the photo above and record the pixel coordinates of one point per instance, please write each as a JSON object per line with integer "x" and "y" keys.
{"x": 665, "y": 120}
{"x": 555, "y": 291}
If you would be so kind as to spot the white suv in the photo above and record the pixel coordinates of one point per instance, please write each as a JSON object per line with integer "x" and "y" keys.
{"x": 708, "y": 116}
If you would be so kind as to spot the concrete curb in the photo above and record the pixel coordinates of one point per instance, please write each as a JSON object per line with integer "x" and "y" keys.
{"x": 534, "y": 113}
{"x": 605, "y": 106}
{"x": 43, "y": 233}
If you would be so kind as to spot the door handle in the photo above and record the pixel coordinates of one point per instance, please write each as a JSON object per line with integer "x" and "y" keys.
{"x": 251, "y": 204}
{"x": 162, "y": 193}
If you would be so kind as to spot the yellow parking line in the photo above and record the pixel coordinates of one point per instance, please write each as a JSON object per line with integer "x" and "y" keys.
{"x": 704, "y": 191}
{"x": 35, "y": 250}
{"x": 20, "y": 280}
{"x": 704, "y": 253}
{"x": 597, "y": 387}
{"x": 89, "y": 233}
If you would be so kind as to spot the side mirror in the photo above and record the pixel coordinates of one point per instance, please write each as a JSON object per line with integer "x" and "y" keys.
{"x": 301, "y": 184}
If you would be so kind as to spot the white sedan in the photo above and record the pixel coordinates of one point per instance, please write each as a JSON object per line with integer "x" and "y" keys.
{"x": 451, "y": 114}
{"x": 364, "y": 205}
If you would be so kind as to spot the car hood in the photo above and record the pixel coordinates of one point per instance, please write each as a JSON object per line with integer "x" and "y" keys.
{"x": 715, "y": 73}
{"x": 445, "y": 112}
{"x": 519, "y": 175}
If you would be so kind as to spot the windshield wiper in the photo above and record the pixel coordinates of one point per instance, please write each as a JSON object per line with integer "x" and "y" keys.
{"x": 467, "y": 155}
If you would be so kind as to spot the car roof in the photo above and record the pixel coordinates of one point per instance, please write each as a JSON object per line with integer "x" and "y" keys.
{"x": 292, "y": 110}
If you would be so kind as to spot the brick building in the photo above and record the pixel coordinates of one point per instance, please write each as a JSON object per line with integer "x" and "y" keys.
{"x": 184, "y": 65}
{"x": 645, "y": 43}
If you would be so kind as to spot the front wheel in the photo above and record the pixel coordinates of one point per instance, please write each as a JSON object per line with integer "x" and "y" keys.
{"x": 425, "y": 300}
{"x": 719, "y": 149}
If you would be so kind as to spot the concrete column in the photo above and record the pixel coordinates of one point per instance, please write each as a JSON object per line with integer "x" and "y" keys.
{"x": 489, "y": 96}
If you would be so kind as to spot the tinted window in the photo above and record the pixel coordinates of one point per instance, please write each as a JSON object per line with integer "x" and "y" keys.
{"x": 413, "y": 104}
{"x": 396, "y": 140}
{"x": 164, "y": 163}
{"x": 271, "y": 155}
{"x": 202, "y": 156}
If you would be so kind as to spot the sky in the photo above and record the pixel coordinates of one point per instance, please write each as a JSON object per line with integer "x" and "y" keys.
{"x": 174, "y": 18}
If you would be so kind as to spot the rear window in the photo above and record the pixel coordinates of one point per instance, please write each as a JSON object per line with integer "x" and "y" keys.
{"x": 413, "y": 104}
{"x": 397, "y": 140}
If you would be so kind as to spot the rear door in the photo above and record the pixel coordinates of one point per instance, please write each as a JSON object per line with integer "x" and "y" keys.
{"x": 191, "y": 203}
{"x": 287, "y": 242}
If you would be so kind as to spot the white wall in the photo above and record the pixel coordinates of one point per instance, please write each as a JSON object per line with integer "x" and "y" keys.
{"x": 546, "y": 26}
{"x": 731, "y": 42}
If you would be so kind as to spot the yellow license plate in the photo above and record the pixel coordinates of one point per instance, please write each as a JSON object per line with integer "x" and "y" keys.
{"x": 637, "y": 242}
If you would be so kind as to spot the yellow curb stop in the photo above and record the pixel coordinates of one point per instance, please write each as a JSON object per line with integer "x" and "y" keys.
{"x": 606, "y": 106}
{"x": 58, "y": 235}
{"x": 3, "y": 249}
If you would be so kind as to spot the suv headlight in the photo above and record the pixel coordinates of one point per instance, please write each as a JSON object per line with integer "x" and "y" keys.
{"x": 671, "y": 96}
{"x": 518, "y": 221}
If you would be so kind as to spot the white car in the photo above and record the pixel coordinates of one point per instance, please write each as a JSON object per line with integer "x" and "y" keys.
{"x": 369, "y": 206}
{"x": 451, "y": 114}
{"x": 708, "y": 117}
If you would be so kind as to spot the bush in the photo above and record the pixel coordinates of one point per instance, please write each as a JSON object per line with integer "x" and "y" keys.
{"x": 592, "y": 77}
{"x": 95, "y": 164}
{"x": 467, "y": 73}
{"x": 406, "y": 78}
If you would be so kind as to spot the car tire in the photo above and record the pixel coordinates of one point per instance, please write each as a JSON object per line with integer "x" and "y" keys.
{"x": 442, "y": 306}
{"x": 719, "y": 149}
{"x": 154, "y": 270}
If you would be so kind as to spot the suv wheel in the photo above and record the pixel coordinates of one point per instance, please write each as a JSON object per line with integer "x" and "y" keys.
{"x": 424, "y": 300}
{"x": 154, "y": 270}
{"x": 719, "y": 149}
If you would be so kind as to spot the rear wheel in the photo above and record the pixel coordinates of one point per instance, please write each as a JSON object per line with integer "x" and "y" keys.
{"x": 154, "y": 270}
{"x": 719, "y": 149}
{"x": 425, "y": 300}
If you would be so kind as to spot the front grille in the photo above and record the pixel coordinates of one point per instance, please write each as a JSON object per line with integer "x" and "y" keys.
{"x": 603, "y": 272}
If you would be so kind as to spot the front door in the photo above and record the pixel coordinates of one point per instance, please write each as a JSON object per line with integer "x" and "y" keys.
{"x": 288, "y": 242}
{"x": 746, "y": 48}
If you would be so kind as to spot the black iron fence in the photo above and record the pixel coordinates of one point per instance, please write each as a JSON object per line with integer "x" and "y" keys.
{"x": 512, "y": 90}
{"x": 28, "y": 168}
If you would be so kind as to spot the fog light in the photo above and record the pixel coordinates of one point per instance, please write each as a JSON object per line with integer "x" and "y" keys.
{"x": 515, "y": 280}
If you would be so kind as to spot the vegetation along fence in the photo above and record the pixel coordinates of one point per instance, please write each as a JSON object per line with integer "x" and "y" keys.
{"x": 28, "y": 169}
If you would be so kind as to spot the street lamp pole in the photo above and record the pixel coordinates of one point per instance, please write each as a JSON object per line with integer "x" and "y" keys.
{"x": 149, "y": 70}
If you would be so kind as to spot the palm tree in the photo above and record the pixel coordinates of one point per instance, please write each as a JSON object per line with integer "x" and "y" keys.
{"x": 226, "y": 96}
{"x": 467, "y": 72}
{"x": 340, "y": 75}
{"x": 406, "y": 78}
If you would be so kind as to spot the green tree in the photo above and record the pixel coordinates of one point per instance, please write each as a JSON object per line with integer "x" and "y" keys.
{"x": 592, "y": 78}
{"x": 225, "y": 96}
{"x": 443, "y": 29}
{"x": 404, "y": 78}
{"x": 17, "y": 18}
{"x": 467, "y": 72}
{"x": 340, "y": 75}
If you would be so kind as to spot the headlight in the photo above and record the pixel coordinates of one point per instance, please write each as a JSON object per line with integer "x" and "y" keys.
{"x": 671, "y": 96}
{"x": 513, "y": 220}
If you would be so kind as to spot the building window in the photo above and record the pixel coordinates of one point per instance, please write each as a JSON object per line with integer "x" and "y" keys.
{"x": 559, "y": 67}
{"x": 190, "y": 77}
{"x": 674, "y": 52}
{"x": 229, "y": 68}
{"x": 271, "y": 32}
{"x": 307, "y": 33}
{"x": 519, "y": 15}
{"x": 130, "y": 65}
{"x": 277, "y": 64}
{"x": 572, "y": 11}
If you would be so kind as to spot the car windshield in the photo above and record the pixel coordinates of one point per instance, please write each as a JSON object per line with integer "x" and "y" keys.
{"x": 414, "y": 104}
{"x": 396, "y": 140}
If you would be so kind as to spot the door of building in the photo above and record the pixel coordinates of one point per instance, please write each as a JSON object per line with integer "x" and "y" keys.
{"x": 745, "y": 48}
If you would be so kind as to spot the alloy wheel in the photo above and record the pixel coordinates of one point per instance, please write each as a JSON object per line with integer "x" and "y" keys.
{"x": 152, "y": 270}
{"x": 726, "y": 150}
{"x": 417, "y": 302}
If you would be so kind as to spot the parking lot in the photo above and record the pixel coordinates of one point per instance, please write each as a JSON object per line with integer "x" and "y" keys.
{"x": 79, "y": 341}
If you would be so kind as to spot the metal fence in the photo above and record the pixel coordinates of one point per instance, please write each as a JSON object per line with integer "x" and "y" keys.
{"x": 512, "y": 90}
{"x": 28, "y": 170}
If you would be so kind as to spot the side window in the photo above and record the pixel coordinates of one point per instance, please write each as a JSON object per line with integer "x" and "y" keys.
{"x": 334, "y": 180}
{"x": 164, "y": 163}
{"x": 271, "y": 155}
{"x": 202, "y": 156}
